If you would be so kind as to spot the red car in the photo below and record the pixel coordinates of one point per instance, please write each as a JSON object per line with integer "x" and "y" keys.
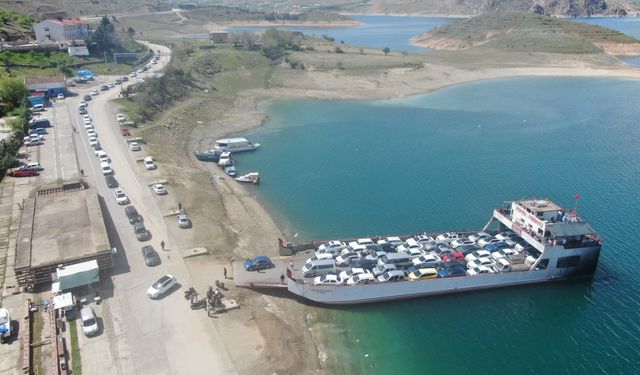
{"x": 125, "y": 132}
{"x": 455, "y": 256}
{"x": 25, "y": 172}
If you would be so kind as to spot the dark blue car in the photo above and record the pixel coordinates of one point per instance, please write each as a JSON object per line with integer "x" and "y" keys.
{"x": 452, "y": 272}
{"x": 260, "y": 262}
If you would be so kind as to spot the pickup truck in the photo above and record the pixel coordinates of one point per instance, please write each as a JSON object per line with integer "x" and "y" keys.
{"x": 503, "y": 265}
{"x": 5, "y": 325}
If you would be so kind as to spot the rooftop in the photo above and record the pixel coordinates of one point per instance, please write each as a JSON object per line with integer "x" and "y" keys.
{"x": 540, "y": 205}
{"x": 70, "y": 21}
{"x": 61, "y": 226}
{"x": 39, "y": 80}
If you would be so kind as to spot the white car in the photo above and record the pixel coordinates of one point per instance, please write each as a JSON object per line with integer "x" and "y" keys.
{"x": 106, "y": 168}
{"x": 134, "y": 146}
{"x": 86, "y": 117}
{"x": 95, "y": 93}
{"x": 363, "y": 278}
{"x": 121, "y": 197}
{"x": 429, "y": 258}
{"x": 149, "y": 163}
{"x": 327, "y": 246}
{"x": 82, "y": 104}
{"x": 503, "y": 253}
{"x": 361, "y": 242}
{"x": 89, "y": 321}
{"x": 60, "y": 96}
{"x": 344, "y": 259}
{"x": 478, "y": 236}
{"x": 480, "y": 262}
{"x": 92, "y": 133}
{"x": 477, "y": 255}
{"x": 183, "y": 221}
{"x": 159, "y": 189}
{"x": 88, "y": 125}
{"x": 103, "y": 156}
{"x": 93, "y": 141}
{"x": 393, "y": 275}
{"x": 162, "y": 286}
{"x": 505, "y": 235}
{"x": 134, "y": 74}
{"x": 479, "y": 270}
{"x": 449, "y": 236}
{"x": 327, "y": 280}
{"x": 395, "y": 241}
{"x": 344, "y": 275}
{"x": 461, "y": 241}
{"x": 120, "y": 117}
{"x": 379, "y": 270}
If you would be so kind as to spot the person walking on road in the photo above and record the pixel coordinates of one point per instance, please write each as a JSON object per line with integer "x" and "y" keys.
{"x": 225, "y": 272}
{"x": 180, "y": 209}
{"x": 162, "y": 245}
{"x": 291, "y": 265}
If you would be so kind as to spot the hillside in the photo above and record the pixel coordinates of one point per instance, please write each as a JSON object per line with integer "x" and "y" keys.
{"x": 15, "y": 27}
{"x": 526, "y": 32}
{"x": 564, "y": 8}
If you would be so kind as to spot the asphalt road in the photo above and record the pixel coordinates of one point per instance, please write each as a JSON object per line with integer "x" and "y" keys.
{"x": 138, "y": 335}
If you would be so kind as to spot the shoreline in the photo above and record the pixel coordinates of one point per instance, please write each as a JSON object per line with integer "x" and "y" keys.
{"x": 309, "y": 24}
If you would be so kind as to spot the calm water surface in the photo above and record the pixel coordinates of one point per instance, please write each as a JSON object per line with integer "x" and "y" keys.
{"x": 443, "y": 161}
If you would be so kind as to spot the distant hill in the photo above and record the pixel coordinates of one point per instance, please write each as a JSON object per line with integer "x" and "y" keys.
{"x": 563, "y": 8}
{"x": 526, "y": 32}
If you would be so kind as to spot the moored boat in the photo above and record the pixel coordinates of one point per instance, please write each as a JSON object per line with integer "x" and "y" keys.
{"x": 211, "y": 155}
{"x": 230, "y": 170}
{"x": 253, "y": 177}
{"x": 235, "y": 145}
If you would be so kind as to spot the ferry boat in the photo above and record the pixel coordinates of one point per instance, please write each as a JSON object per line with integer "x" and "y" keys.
{"x": 555, "y": 244}
{"x": 235, "y": 145}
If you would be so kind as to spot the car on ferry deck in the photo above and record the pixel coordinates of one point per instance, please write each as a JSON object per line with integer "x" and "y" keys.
{"x": 478, "y": 236}
{"x": 393, "y": 275}
{"x": 461, "y": 241}
{"x": 423, "y": 273}
{"x": 503, "y": 253}
{"x": 379, "y": 270}
{"x": 477, "y": 255}
{"x": 344, "y": 259}
{"x": 363, "y": 278}
{"x": 332, "y": 247}
{"x": 327, "y": 280}
{"x": 505, "y": 235}
{"x": 479, "y": 270}
{"x": 345, "y": 275}
{"x": 480, "y": 262}
{"x": 367, "y": 264}
{"x": 452, "y": 272}
{"x": 485, "y": 241}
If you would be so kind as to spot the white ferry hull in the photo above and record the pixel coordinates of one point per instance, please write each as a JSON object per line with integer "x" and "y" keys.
{"x": 237, "y": 149}
{"x": 412, "y": 289}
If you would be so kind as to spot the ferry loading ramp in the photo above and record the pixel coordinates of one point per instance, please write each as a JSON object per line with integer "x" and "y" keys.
{"x": 60, "y": 225}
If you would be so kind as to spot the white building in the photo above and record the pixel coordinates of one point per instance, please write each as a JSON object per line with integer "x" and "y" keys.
{"x": 58, "y": 30}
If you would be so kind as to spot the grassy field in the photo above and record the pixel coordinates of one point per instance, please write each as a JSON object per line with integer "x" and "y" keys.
{"x": 76, "y": 361}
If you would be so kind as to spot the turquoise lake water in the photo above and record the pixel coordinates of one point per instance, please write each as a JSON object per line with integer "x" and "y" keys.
{"x": 443, "y": 161}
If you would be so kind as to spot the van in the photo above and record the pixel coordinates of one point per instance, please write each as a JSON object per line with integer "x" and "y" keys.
{"x": 142, "y": 234}
{"x": 40, "y": 122}
{"x": 400, "y": 260}
{"x": 37, "y": 108}
{"x": 89, "y": 321}
{"x": 319, "y": 267}
{"x": 132, "y": 214}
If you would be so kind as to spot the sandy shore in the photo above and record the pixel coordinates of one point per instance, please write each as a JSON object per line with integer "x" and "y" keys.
{"x": 272, "y": 333}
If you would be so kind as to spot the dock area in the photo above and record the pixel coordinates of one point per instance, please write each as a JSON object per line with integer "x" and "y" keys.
{"x": 270, "y": 278}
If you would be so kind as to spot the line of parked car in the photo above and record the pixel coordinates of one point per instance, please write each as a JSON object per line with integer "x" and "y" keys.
{"x": 421, "y": 257}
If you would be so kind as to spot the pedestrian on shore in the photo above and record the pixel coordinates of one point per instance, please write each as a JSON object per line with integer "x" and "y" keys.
{"x": 162, "y": 245}
{"x": 291, "y": 265}
{"x": 180, "y": 209}
{"x": 82, "y": 172}
{"x": 282, "y": 278}
{"x": 225, "y": 272}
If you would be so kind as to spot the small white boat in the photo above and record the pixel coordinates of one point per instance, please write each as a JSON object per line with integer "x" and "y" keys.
{"x": 230, "y": 170}
{"x": 235, "y": 145}
{"x": 253, "y": 177}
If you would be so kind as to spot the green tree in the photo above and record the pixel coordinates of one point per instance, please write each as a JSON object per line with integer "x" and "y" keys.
{"x": 12, "y": 92}
{"x": 386, "y": 50}
{"x": 104, "y": 36}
